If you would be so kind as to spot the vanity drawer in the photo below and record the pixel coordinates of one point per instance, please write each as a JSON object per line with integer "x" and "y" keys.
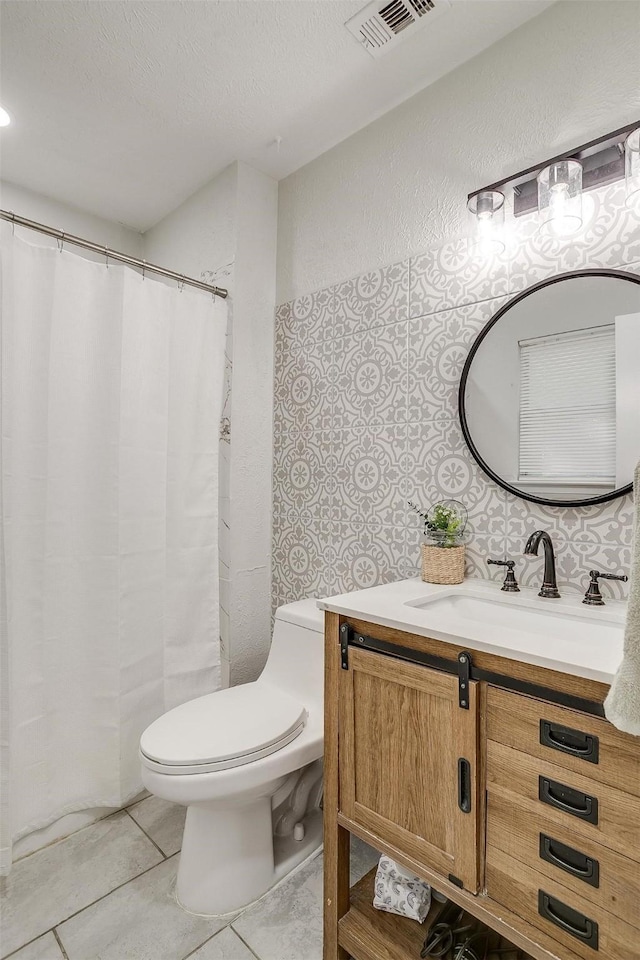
{"x": 585, "y": 928}
{"x": 585, "y": 807}
{"x": 576, "y": 741}
{"x": 594, "y": 872}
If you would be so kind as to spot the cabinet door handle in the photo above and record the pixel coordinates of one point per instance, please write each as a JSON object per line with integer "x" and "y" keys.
{"x": 586, "y": 746}
{"x": 570, "y": 801}
{"x": 571, "y": 861}
{"x": 568, "y": 919}
{"x": 464, "y": 785}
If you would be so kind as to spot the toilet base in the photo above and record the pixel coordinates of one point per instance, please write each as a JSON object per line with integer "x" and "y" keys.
{"x": 229, "y": 856}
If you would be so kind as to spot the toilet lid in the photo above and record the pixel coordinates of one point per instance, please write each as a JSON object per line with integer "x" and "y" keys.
{"x": 225, "y": 728}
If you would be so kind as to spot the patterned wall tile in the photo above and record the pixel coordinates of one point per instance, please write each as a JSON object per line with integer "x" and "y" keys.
{"x": 610, "y": 237}
{"x": 602, "y": 523}
{"x": 452, "y": 276}
{"x": 304, "y": 473}
{"x": 303, "y": 387}
{"x": 573, "y": 562}
{"x": 370, "y": 474}
{"x": 369, "y": 554}
{"x": 310, "y": 317}
{"x": 442, "y": 467}
{"x": 371, "y": 377}
{"x": 478, "y": 551}
{"x": 438, "y": 347}
{"x": 372, "y": 300}
{"x": 304, "y": 558}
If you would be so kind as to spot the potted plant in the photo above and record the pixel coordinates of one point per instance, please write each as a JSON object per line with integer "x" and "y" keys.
{"x": 443, "y": 546}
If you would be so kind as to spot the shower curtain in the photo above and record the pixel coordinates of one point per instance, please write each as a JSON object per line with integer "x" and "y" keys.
{"x": 111, "y": 397}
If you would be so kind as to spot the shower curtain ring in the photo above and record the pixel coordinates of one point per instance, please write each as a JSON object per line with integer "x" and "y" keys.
{"x": 181, "y": 284}
{"x": 60, "y": 241}
{"x": 144, "y": 267}
{"x": 106, "y": 257}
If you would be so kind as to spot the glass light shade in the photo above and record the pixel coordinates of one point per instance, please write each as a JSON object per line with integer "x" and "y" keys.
{"x": 632, "y": 169}
{"x": 560, "y": 198}
{"x": 487, "y": 209}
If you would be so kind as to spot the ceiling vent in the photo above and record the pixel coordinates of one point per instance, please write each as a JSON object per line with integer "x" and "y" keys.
{"x": 380, "y": 26}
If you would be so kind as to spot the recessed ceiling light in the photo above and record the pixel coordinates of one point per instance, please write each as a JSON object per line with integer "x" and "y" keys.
{"x": 5, "y": 119}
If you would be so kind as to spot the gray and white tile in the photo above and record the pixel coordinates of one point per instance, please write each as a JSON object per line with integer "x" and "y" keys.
{"x": 162, "y": 821}
{"x": 304, "y": 472}
{"x": 370, "y": 474}
{"x": 287, "y": 923}
{"x": 372, "y": 300}
{"x": 369, "y": 554}
{"x": 453, "y": 275}
{"x": 303, "y": 558}
{"x": 371, "y": 377}
{"x": 47, "y": 887}
{"x": 141, "y": 920}
{"x": 442, "y": 468}
{"x": 303, "y": 388}
{"x": 438, "y": 348}
{"x": 609, "y": 522}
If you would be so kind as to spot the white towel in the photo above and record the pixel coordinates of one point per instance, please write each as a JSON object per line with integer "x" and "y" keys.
{"x": 398, "y": 891}
{"x": 622, "y": 706}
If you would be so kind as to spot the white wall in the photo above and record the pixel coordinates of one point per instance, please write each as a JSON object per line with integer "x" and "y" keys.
{"x": 199, "y": 235}
{"x": 399, "y": 186}
{"x": 34, "y": 206}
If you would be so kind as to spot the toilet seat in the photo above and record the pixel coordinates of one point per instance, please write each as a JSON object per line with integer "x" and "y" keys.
{"x": 221, "y": 730}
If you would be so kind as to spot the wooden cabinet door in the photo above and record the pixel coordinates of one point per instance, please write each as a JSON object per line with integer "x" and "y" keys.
{"x": 402, "y": 734}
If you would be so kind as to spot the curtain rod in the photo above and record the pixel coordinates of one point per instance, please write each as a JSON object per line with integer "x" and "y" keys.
{"x": 63, "y": 237}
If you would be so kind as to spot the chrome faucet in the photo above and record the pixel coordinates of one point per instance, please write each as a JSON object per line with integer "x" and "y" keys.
{"x": 549, "y": 586}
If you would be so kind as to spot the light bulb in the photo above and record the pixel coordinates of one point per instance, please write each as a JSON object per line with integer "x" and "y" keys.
{"x": 560, "y": 198}
{"x": 5, "y": 119}
{"x": 487, "y": 209}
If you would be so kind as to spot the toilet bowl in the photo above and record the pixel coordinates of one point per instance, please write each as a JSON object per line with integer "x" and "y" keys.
{"x": 247, "y": 764}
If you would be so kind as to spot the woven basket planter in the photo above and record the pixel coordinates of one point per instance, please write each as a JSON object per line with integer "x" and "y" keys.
{"x": 442, "y": 564}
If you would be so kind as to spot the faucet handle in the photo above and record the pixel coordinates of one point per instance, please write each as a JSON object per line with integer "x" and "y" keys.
{"x": 510, "y": 584}
{"x": 593, "y": 597}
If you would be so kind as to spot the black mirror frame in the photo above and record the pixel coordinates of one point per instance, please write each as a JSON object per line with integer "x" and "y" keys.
{"x": 589, "y": 501}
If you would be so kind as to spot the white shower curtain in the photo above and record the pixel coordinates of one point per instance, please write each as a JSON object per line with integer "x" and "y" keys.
{"x": 111, "y": 398}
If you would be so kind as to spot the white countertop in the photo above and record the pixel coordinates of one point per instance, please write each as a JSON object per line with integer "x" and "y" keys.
{"x": 581, "y": 640}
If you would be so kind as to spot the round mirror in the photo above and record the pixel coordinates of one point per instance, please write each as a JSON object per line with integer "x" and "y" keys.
{"x": 550, "y": 393}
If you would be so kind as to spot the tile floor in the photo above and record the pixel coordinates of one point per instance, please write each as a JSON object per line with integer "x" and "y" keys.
{"x": 106, "y": 893}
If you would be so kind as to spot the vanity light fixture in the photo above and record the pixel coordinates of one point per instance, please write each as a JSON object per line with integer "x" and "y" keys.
{"x": 632, "y": 168}
{"x": 560, "y": 198}
{"x": 487, "y": 207}
{"x": 555, "y": 187}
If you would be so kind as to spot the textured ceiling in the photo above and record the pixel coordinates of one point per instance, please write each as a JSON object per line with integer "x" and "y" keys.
{"x": 125, "y": 107}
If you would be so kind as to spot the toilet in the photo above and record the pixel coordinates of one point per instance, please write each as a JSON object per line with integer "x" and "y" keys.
{"x": 247, "y": 764}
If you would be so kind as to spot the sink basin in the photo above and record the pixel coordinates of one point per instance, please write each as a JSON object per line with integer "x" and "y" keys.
{"x": 551, "y": 619}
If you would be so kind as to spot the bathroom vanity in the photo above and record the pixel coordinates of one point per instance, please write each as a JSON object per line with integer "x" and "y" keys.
{"x": 465, "y": 738}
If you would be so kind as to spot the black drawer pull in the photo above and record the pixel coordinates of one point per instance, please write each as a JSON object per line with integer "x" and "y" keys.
{"x": 570, "y": 860}
{"x": 464, "y": 785}
{"x": 568, "y": 919}
{"x": 565, "y": 798}
{"x": 586, "y": 746}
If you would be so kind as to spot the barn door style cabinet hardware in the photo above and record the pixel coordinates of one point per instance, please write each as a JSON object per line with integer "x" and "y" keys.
{"x": 499, "y": 782}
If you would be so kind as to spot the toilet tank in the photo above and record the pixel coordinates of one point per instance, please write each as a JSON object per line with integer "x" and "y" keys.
{"x": 296, "y": 657}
